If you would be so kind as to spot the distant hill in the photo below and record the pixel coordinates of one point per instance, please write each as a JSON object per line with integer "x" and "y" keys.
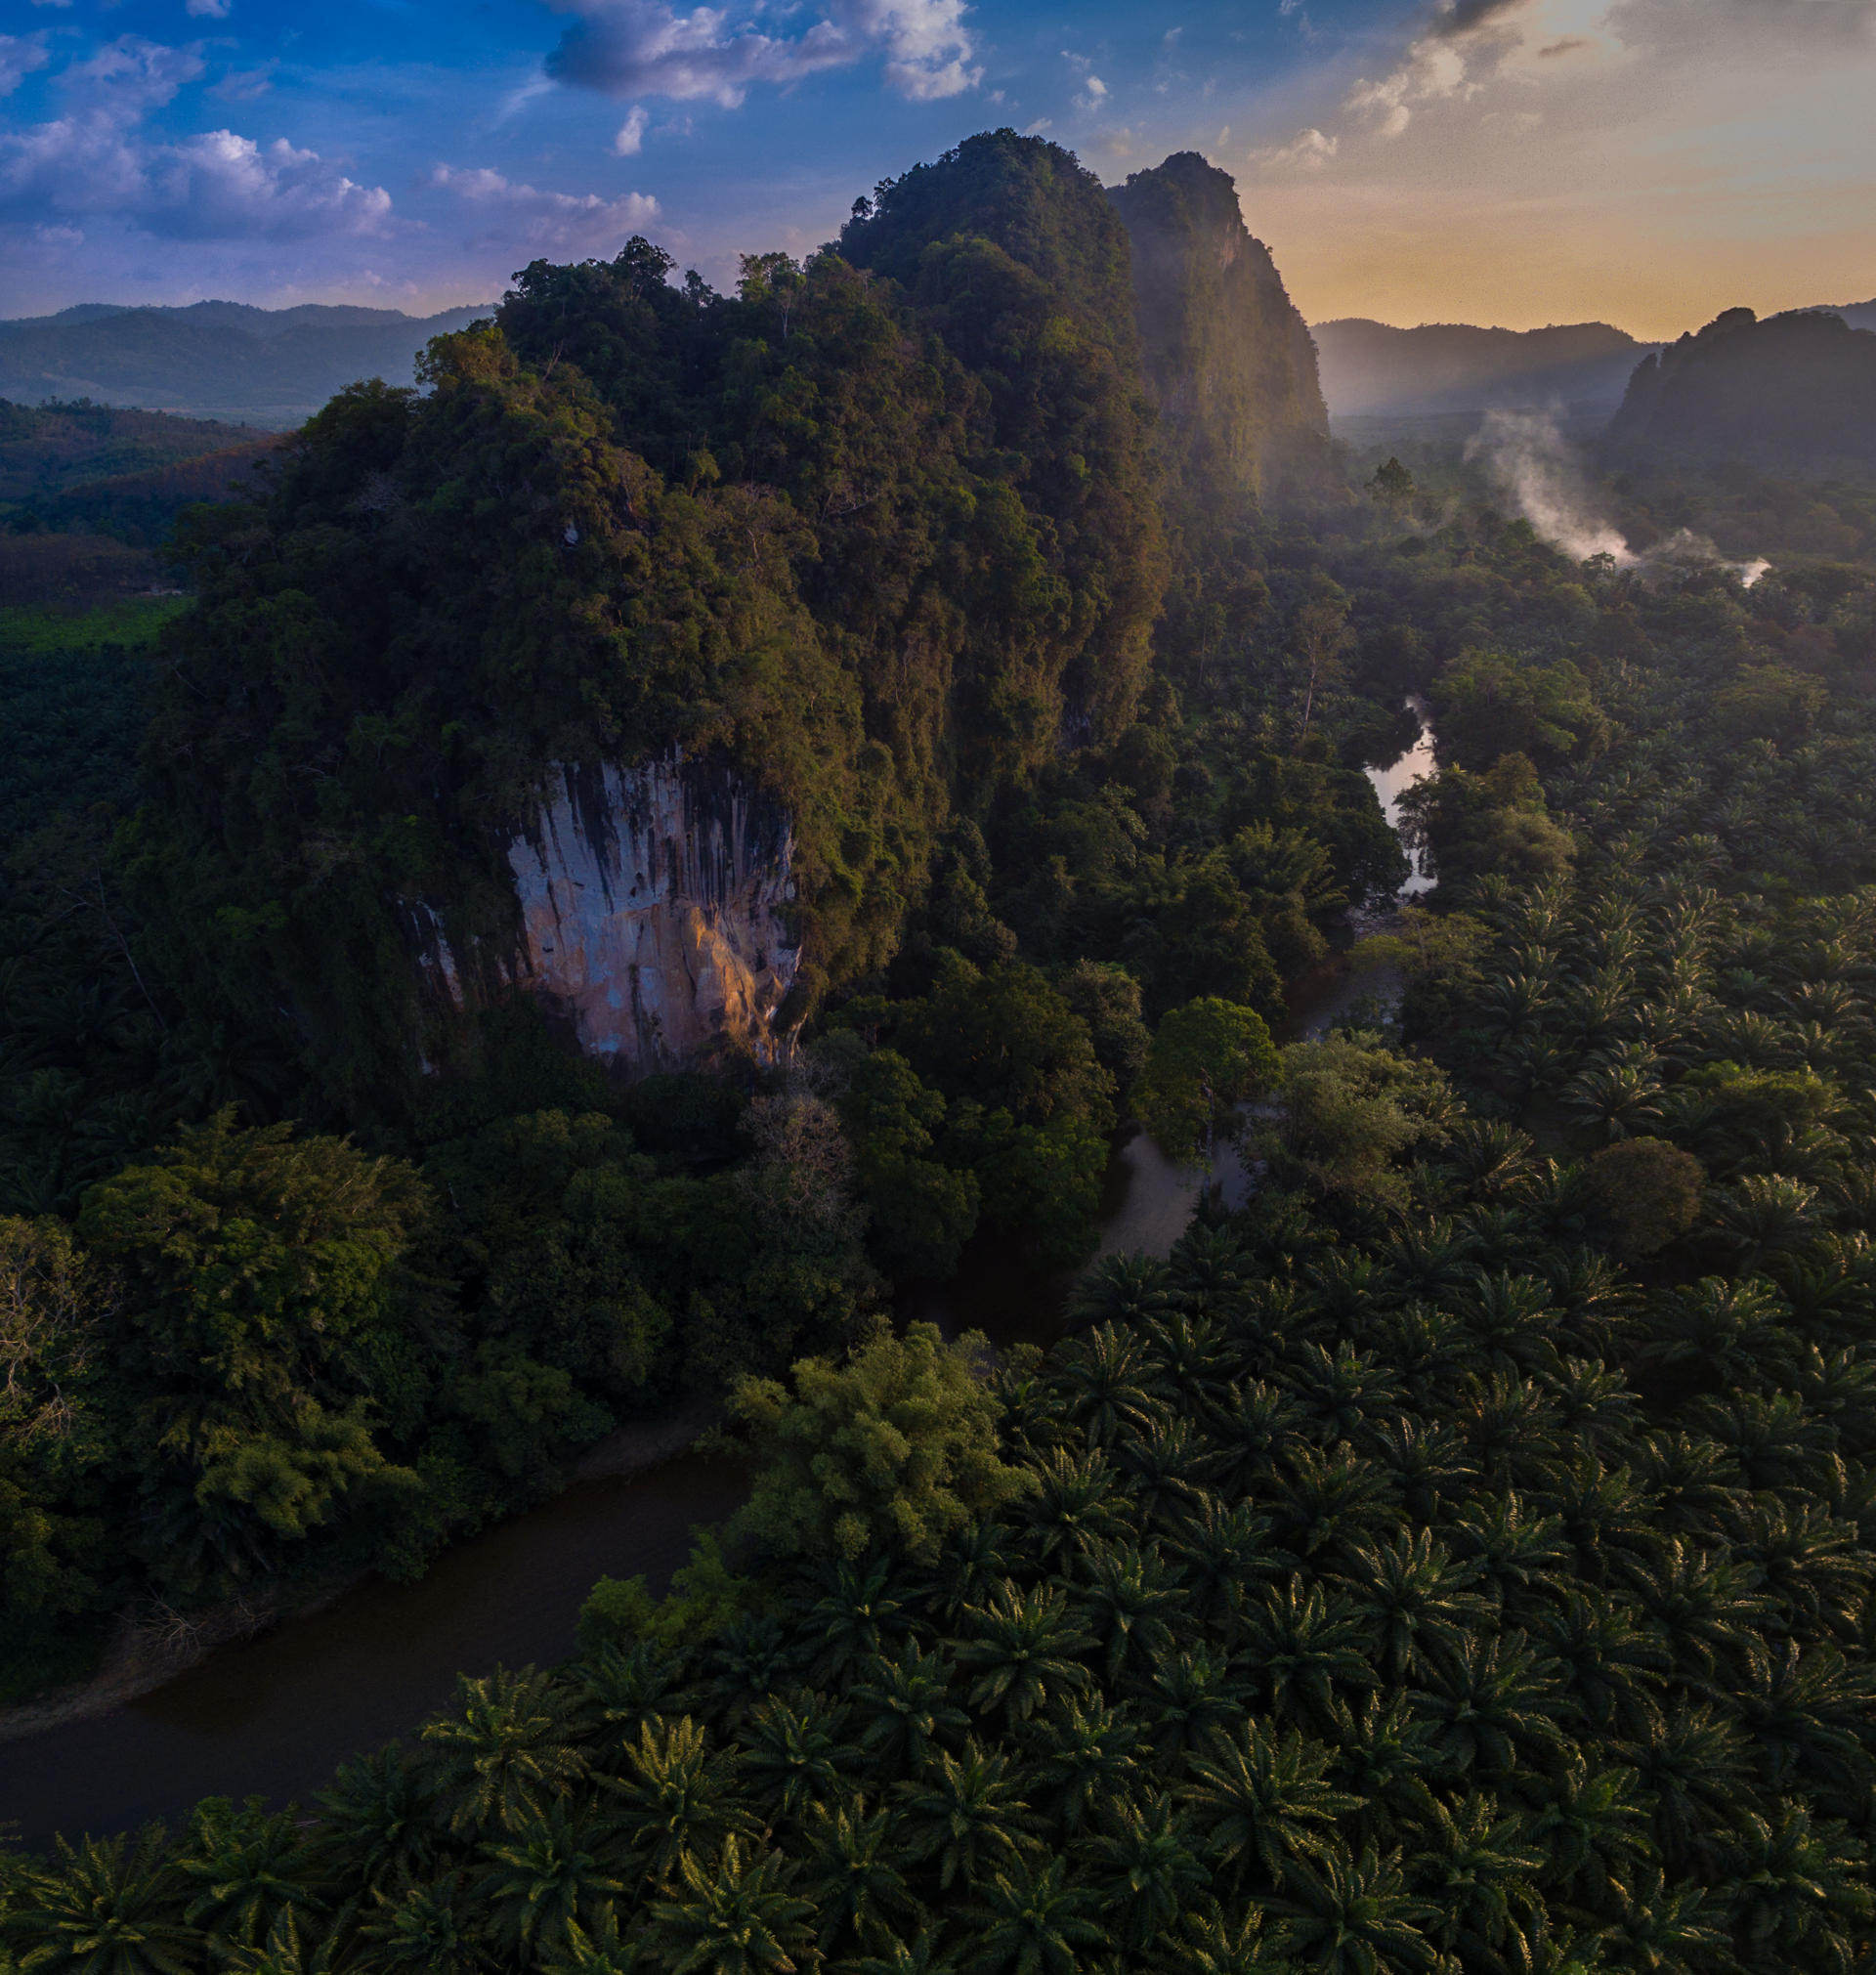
{"x": 1448, "y": 367}
{"x": 1859, "y": 315}
{"x": 267, "y": 368}
{"x": 1795, "y": 394}
{"x": 51, "y": 449}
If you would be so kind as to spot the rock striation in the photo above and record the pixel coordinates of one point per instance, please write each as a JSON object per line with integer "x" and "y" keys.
{"x": 652, "y": 904}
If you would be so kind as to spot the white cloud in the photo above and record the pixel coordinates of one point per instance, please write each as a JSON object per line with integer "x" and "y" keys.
{"x": 243, "y": 85}
{"x": 648, "y": 48}
{"x": 220, "y": 185}
{"x": 217, "y": 185}
{"x": 927, "y": 46}
{"x": 554, "y": 222}
{"x": 19, "y": 56}
{"x": 132, "y": 74}
{"x": 629, "y": 140}
{"x": 1308, "y": 150}
{"x": 1096, "y": 88}
{"x": 207, "y": 10}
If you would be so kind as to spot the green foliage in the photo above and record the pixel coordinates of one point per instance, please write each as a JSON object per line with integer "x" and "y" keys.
{"x": 1205, "y": 1059}
{"x": 1652, "y": 1190}
{"x": 897, "y": 1449}
{"x": 1351, "y": 1107}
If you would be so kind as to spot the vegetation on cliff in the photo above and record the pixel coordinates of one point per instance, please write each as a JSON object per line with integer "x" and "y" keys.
{"x": 1459, "y": 1560}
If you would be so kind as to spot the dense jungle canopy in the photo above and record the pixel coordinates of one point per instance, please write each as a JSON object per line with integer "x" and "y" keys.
{"x": 1457, "y": 1559}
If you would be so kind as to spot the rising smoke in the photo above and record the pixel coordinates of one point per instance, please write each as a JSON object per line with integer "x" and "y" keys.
{"x": 1540, "y": 473}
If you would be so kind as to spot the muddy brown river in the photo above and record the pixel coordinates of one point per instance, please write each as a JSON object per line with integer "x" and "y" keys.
{"x": 275, "y": 1716}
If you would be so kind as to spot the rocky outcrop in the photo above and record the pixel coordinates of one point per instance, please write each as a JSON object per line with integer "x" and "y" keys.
{"x": 1225, "y": 354}
{"x": 1795, "y": 394}
{"x": 652, "y": 906}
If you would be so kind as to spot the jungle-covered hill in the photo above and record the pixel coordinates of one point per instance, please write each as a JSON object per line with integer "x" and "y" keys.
{"x": 888, "y": 531}
{"x": 1793, "y": 394}
{"x": 1457, "y": 1563}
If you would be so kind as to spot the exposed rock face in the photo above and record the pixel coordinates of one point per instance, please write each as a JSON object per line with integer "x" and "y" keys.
{"x": 1226, "y": 354}
{"x": 651, "y": 906}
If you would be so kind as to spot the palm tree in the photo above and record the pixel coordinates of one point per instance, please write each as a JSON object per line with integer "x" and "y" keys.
{"x": 678, "y": 1798}
{"x": 1413, "y": 1604}
{"x": 1304, "y": 1642}
{"x": 1810, "y": 1713}
{"x": 105, "y": 1906}
{"x": 1024, "y": 1644}
{"x": 1798, "y": 1892}
{"x": 1254, "y": 1434}
{"x": 1353, "y": 1916}
{"x": 1119, "y": 1289}
{"x": 735, "y": 1914}
{"x": 1086, "y": 1754}
{"x": 1494, "y": 1707}
{"x": 792, "y": 1754}
{"x": 1076, "y": 1505}
{"x": 378, "y": 1823}
{"x": 863, "y": 1611}
{"x": 1031, "y": 1919}
{"x": 552, "y": 1873}
{"x": 1190, "y": 1693}
{"x": 969, "y": 1814}
{"x": 504, "y": 1749}
{"x": 1264, "y": 1800}
{"x": 1478, "y": 1868}
{"x": 1666, "y": 1929}
{"x": 1223, "y": 1555}
{"x": 1516, "y": 1550}
{"x": 908, "y": 1710}
{"x": 1126, "y": 1599}
{"x": 244, "y": 1869}
{"x": 1591, "y": 1824}
{"x": 1149, "y": 1875}
{"x": 852, "y": 1878}
{"x": 1696, "y": 1768}
{"x": 615, "y": 1689}
{"x": 1614, "y": 1668}
{"x": 435, "y": 1927}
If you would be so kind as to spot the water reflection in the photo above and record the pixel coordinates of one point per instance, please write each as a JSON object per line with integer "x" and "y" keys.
{"x": 1391, "y": 782}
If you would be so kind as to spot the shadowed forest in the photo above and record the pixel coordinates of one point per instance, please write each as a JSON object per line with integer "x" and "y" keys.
{"x": 1456, "y": 1558}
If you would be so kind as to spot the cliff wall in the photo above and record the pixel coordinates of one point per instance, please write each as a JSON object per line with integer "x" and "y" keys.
{"x": 652, "y": 906}
{"x": 1226, "y": 354}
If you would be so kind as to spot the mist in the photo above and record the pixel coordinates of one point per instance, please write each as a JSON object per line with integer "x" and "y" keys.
{"x": 1541, "y": 474}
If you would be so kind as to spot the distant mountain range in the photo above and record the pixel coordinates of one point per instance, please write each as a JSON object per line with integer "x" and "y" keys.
{"x": 1793, "y": 394}
{"x": 268, "y": 367}
{"x": 1442, "y": 367}
{"x": 1443, "y": 370}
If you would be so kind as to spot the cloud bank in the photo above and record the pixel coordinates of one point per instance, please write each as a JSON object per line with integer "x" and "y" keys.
{"x": 636, "y": 48}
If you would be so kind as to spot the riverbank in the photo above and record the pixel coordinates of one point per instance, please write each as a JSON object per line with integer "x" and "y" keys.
{"x": 152, "y": 1649}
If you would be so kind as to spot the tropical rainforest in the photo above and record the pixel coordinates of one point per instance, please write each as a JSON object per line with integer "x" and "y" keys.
{"x": 1456, "y": 1557}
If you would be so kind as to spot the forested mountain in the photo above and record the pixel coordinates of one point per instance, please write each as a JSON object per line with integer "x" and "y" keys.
{"x": 1226, "y": 354}
{"x": 713, "y": 811}
{"x": 1859, "y": 315}
{"x": 1793, "y": 394}
{"x": 1371, "y": 368}
{"x": 222, "y": 360}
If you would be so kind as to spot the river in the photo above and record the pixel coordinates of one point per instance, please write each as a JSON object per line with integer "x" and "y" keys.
{"x": 274, "y": 1717}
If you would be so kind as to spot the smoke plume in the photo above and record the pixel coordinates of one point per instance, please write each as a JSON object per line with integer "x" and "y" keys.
{"x": 1539, "y": 473}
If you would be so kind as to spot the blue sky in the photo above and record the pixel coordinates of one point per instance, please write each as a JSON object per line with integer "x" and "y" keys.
{"x": 1643, "y": 162}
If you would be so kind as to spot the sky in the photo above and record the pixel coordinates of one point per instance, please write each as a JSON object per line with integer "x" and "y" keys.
{"x": 1642, "y": 162}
